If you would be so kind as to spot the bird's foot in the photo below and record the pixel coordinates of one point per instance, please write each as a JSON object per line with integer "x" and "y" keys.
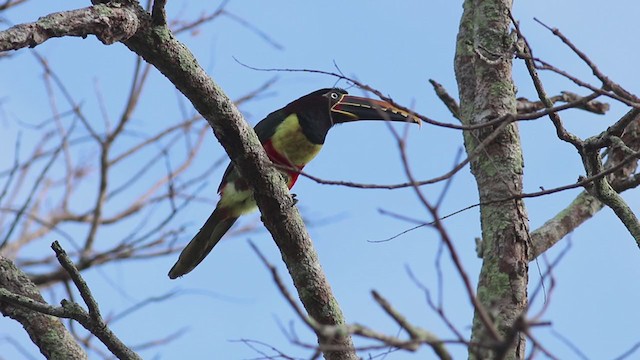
{"x": 295, "y": 199}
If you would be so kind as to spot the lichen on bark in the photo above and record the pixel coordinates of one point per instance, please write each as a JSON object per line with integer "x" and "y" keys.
{"x": 483, "y": 72}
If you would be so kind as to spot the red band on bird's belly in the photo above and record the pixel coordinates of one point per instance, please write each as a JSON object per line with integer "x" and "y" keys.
{"x": 280, "y": 159}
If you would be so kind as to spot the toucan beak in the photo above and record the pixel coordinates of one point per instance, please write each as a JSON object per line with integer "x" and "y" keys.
{"x": 355, "y": 108}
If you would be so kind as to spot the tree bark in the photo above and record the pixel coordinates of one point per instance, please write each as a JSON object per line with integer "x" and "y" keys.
{"x": 46, "y": 331}
{"x": 483, "y": 64}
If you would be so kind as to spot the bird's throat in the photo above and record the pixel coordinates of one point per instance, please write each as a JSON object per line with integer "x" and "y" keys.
{"x": 289, "y": 144}
{"x": 289, "y": 147}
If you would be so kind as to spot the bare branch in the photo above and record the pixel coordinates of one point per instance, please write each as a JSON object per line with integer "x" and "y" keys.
{"x": 14, "y": 168}
{"x": 527, "y": 55}
{"x": 109, "y": 23}
{"x": 18, "y": 298}
{"x": 586, "y": 103}
{"x": 589, "y": 149}
{"x": 603, "y": 191}
{"x": 415, "y": 333}
{"x": 439, "y": 226}
{"x": 82, "y": 286}
{"x": 418, "y": 336}
{"x": 29, "y": 197}
{"x": 447, "y": 99}
{"x": 607, "y": 83}
{"x": 93, "y": 320}
{"x": 10, "y": 3}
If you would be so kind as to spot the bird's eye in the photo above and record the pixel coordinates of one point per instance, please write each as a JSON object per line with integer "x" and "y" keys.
{"x": 334, "y": 96}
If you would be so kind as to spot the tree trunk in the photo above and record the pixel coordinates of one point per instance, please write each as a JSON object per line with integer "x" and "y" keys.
{"x": 483, "y": 63}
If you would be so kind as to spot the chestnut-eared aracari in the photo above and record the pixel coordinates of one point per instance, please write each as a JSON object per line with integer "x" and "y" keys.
{"x": 291, "y": 137}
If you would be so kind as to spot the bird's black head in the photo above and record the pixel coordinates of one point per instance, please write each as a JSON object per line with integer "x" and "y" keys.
{"x": 321, "y": 109}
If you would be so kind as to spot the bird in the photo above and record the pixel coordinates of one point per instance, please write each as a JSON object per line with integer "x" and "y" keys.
{"x": 291, "y": 136}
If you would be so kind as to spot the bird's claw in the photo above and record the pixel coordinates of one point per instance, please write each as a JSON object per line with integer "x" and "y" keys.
{"x": 295, "y": 199}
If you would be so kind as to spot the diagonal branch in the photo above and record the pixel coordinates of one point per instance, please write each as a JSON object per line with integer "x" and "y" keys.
{"x": 603, "y": 191}
{"x": 158, "y": 46}
{"x": 589, "y": 149}
{"x": 417, "y": 335}
{"x": 91, "y": 320}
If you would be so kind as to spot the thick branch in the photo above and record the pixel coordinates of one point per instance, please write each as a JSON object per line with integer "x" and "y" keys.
{"x": 109, "y": 23}
{"x": 158, "y": 47}
{"x": 47, "y": 332}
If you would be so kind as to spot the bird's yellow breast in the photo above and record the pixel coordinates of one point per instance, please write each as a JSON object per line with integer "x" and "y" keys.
{"x": 290, "y": 141}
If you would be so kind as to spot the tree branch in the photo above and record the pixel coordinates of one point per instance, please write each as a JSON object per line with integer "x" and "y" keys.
{"x": 158, "y": 46}
{"x": 584, "y": 206}
{"x": 91, "y": 321}
{"x": 417, "y": 335}
{"x": 20, "y": 300}
{"x": 109, "y": 23}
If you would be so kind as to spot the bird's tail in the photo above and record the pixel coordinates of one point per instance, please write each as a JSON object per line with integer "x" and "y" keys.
{"x": 200, "y": 246}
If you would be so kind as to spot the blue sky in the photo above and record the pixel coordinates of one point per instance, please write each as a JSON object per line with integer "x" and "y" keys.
{"x": 395, "y": 49}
